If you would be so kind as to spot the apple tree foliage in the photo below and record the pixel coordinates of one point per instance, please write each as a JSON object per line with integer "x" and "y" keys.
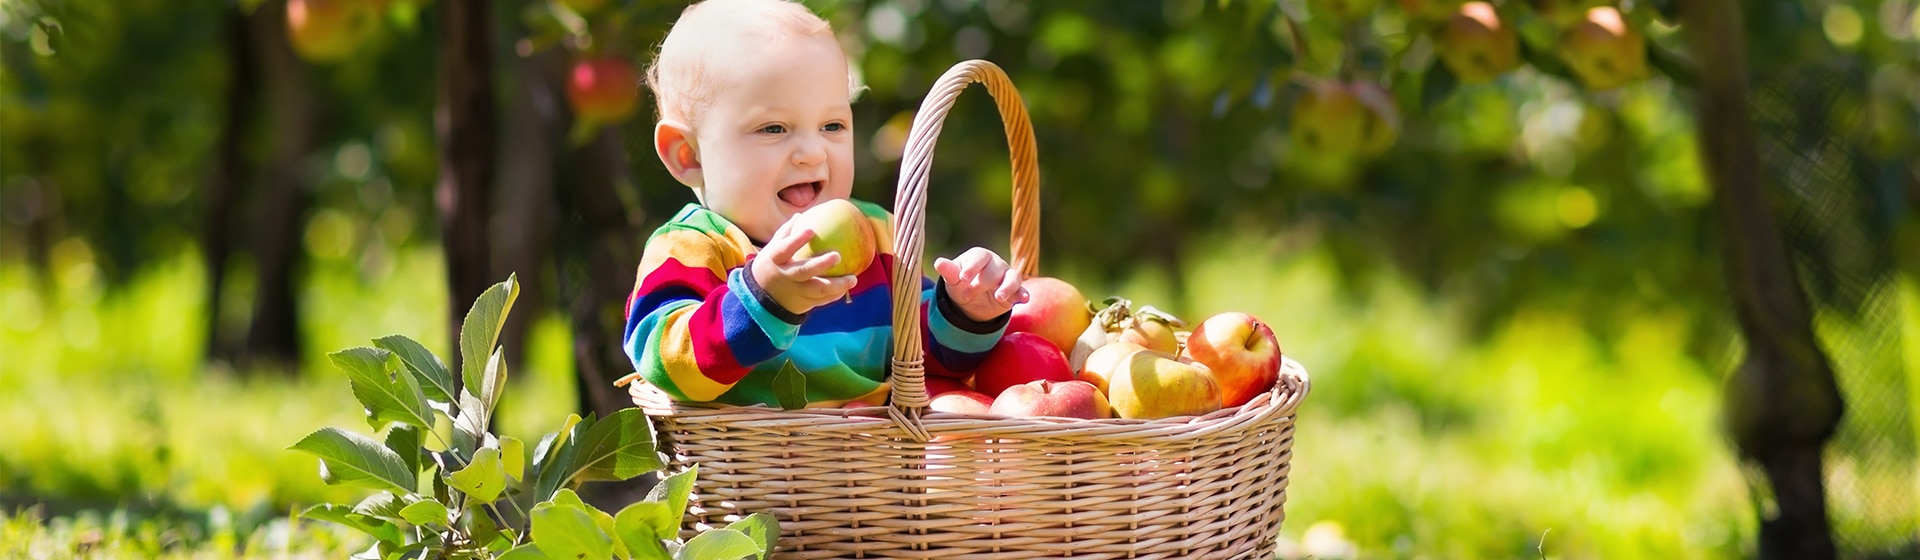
{"x": 448, "y": 487}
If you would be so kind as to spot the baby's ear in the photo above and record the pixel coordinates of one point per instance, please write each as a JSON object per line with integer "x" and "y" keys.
{"x": 673, "y": 142}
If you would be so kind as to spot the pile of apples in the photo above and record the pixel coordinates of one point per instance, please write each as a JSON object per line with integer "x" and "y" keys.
{"x": 1063, "y": 357}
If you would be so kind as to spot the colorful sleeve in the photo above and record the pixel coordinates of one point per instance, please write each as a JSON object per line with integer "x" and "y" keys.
{"x": 957, "y": 343}
{"x": 694, "y": 327}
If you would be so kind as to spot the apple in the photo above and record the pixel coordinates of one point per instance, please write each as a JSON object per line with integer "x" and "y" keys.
{"x": 1334, "y": 119}
{"x": 1069, "y": 399}
{"x": 838, "y": 226}
{"x": 1149, "y": 333}
{"x": 1385, "y": 123}
{"x": 1242, "y": 352}
{"x": 1106, "y": 360}
{"x": 858, "y": 404}
{"x": 1477, "y": 46}
{"x": 1603, "y": 50}
{"x": 1562, "y": 13}
{"x": 937, "y": 386}
{"x": 330, "y": 30}
{"x": 603, "y": 90}
{"x": 1020, "y": 358}
{"x": 1152, "y": 384}
{"x": 963, "y": 401}
{"x": 1054, "y": 309}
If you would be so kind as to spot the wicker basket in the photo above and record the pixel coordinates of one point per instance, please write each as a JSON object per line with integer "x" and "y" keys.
{"x": 899, "y": 482}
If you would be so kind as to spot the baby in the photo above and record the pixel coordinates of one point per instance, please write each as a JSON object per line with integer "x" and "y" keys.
{"x": 755, "y": 117}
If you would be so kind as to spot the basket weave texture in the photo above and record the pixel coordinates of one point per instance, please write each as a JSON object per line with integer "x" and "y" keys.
{"x": 902, "y": 482}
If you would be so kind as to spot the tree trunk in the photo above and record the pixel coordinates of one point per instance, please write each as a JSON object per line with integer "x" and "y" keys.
{"x": 609, "y": 243}
{"x": 273, "y": 336}
{"x": 216, "y": 233}
{"x": 1783, "y": 402}
{"x": 523, "y": 227}
{"x": 464, "y": 123}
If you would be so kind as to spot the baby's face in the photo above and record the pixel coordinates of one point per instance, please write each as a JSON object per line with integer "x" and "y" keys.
{"x": 778, "y": 139}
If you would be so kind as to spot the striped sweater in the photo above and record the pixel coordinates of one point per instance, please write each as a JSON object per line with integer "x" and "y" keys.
{"x": 701, "y": 330}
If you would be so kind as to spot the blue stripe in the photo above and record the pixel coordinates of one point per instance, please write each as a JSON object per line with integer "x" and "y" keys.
{"x": 869, "y": 309}
{"x": 780, "y": 334}
{"x": 745, "y": 339}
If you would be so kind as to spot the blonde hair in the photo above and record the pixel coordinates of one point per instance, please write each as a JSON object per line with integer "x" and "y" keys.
{"x": 688, "y": 68}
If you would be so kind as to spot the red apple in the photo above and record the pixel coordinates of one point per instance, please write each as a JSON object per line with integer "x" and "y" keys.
{"x": 1242, "y": 352}
{"x": 962, "y": 401}
{"x": 937, "y": 385}
{"x": 603, "y": 90}
{"x": 330, "y": 30}
{"x": 1054, "y": 309}
{"x": 1071, "y": 399}
{"x": 1020, "y": 358}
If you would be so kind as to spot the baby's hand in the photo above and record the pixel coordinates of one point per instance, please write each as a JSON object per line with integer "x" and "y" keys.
{"x": 797, "y": 285}
{"x": 981, "y": 284}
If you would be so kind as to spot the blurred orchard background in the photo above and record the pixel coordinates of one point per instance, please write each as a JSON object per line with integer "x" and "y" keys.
{"x": 1529, "y": 300}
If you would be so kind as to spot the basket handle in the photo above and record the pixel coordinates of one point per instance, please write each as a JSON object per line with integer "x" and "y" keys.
{"x": 909, "y": 205}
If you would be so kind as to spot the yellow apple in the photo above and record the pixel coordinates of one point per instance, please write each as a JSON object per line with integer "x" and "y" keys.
{"x": 838, "y": 226}
{"x": 1152, "y": 384}
{"x": 1106, "y": 360}
{"x": 1342, "y": 120}
{"x": 330, "y": 30}
{"x": 1603, "y": 50}
{"x": 1477, "y": 46}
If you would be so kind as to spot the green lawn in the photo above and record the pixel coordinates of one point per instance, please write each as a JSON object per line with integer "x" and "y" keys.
{"x": 1545, "y": 440}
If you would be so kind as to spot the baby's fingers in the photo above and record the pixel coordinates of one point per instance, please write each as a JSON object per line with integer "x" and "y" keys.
{"x": 782, "y": 247}
{"x": 812, "y": 267}
{"x": 1010, "y": 292}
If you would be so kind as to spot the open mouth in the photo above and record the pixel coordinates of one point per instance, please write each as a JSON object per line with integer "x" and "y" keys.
{"x": 802, "y": 195}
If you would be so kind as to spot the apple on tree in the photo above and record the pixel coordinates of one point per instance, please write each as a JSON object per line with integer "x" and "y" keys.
{"x": 330, "y": 30}
{"x": 1603, "y": 50}
{"x": 1477, "y": 46}
{"x": 1069, "y": 399}
{"x": 1241, "y": 351}
{"x": 603, "y": 90}
{"x": 1342, "y": 120}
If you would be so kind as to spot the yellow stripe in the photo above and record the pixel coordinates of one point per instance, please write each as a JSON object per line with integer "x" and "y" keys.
{"x": 676, "y": 356}
{"x": 693, "y": 249}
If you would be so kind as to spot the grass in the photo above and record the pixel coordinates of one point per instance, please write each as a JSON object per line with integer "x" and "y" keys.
{"x": 1541, "y": 441}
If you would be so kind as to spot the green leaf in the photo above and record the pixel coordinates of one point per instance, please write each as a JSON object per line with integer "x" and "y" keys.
{"x": 383, "y": 505}
{"x": 345, "y": 516}
{"x": 718, "y": 544}
{"x": 350, "y": 458}
{"x": 790, "y": 387}
{"x": 566, "y": 531}
{"x": 435, "y": 381}
{"x": 386, "y": 396}
{"x": 481, "y": 329}
{"x": 483, "y": 530}
{"x": 484, "y": 478}
{"x": 642, "y": 525}
{"x": 554, "y": 473}
{"x": 525, "y": 552}
{"x": 513, "y": 453}
{"x": 601, "y": 519}
{"x": 476, "y": 408}
{"x": 549, "y": 445}
{"x": 617, "y": 448}
{"x": 425, "y": 512}
{"x": 674, "y": 491}
{"x": 762, "y": 528}
{"x": 405, "y": 442}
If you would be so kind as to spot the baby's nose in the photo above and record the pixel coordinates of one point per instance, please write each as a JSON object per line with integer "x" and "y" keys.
{"x": 810, "y": 152}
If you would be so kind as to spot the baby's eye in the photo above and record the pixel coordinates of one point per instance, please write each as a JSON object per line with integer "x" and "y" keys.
{"x": 834, "y": 127}
{"x": 774, "y": 129}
